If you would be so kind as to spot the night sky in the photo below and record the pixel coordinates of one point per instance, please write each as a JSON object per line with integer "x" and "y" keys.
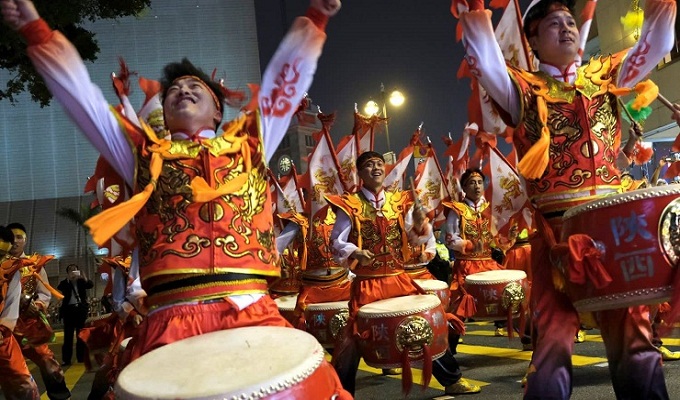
{"x": 406, "y": 44}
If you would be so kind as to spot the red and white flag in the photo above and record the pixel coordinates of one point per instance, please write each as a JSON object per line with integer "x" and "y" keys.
{"x": 322, "y": 174}
{"x": 394, "y": 178}
{"x": 290, "y": 199}
{"x": 507, "y": 195}
{"x": 347, "y": 151}
{"x": 430, "y": 187}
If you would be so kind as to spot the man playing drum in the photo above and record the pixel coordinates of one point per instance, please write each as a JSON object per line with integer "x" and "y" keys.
{"x": 553, "y": 128}
{"x": 371, "y": 235}
{"x": 468, "y": 234}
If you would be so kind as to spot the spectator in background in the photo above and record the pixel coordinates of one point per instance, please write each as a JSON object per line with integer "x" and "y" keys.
{"x": 73, "y": 311}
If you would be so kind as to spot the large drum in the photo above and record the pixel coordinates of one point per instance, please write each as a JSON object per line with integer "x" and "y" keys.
{"x": 326, "y": 321}
{"x": 390, "y": 327}
{"x": 437, "y": 288}
{"x": 242, "y": 363}
{"x": 497, "y": 293}
{"x": 286, "y": 305}
{"x": 635, "y": 236}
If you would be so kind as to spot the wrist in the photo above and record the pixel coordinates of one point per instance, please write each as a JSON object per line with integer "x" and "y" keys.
{"x": 36, "y": 32}
{"x": 318, "y": 18}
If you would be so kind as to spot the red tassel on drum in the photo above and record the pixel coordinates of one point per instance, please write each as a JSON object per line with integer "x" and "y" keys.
{"x": 427, "y": 366}
{"x": 467, "y": 307}
{"x": 406, "y": 375}
{"x": 302, "y": 322}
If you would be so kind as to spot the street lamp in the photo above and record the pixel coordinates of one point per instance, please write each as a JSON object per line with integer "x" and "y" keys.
{"x": 372, "y": 108}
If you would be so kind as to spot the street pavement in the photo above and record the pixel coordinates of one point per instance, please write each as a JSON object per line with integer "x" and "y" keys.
{"x": 495, "y": 363}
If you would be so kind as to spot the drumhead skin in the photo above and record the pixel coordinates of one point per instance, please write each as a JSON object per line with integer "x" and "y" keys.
{"x": 496, "y": 276}
{"x": 239, "y": 363}
{"x": 331, "y": 305}
{"x": 286, "y": 303}
{"x": 431, "y": 284}
{"x": 398, "y": 305}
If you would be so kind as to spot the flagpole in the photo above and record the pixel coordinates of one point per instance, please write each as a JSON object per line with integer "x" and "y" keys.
{"x": 439, "y": 168}
{"x": 520, "y": 25}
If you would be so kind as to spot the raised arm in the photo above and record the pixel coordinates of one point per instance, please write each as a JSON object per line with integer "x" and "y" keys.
{"x": 656, "y": 40}
{"x": 289, "y": 73}
{"x": 484, "y": 56}
{"x": 64, "y": 72}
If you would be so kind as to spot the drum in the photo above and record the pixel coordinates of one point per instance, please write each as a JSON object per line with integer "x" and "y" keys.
{"x": 286, "y": 306}
{"x": 326, "y": 321}
{"x": 636, "y": 238}
{"x": 437, "y": 288}
{"x": 260, "y": 362}
{"x": 497, "y": 292}
{"x": 390, "y": 327}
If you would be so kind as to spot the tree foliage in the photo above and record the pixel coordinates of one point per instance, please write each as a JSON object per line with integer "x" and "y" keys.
{"x": 66, "y": 16}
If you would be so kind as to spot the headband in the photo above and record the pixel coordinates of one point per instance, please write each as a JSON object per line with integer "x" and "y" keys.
{"x": 473, "y": 175}
{"x": 205, "y": 85}
{"x": 533, "y": 25}
{"x": 18, "y": 232}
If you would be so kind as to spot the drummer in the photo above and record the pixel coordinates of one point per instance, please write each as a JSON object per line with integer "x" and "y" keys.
{"x": 370, "y": 236}
{"x": 323, "y": 280}
{"x": 468, "y": 227}
{"x": 551, "y": 134}
{"x": 202, "y": 261}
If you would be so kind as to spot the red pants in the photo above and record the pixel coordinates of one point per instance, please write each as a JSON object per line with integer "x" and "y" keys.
{"x": 15, "y": 378}
{"x": 183, "y": 321}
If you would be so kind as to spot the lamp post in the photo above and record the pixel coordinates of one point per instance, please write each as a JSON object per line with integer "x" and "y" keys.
{"x": 372, "y": 108}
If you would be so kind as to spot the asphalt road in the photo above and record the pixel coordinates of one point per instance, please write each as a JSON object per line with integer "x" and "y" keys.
{"x": 495, "y": 363}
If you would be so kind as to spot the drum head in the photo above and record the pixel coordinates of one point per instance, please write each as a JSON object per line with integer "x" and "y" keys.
{"x": 496, "y": 276}
{"x": 431, "y": 284}
{"x": 399, "y": 306}
{"x": 286, "y": 303}
{"x": 331, "y": 305}
{"x": 239, "y": 363}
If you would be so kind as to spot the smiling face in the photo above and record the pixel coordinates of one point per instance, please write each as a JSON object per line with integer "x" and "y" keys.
{"x": 557, "y": 39}
{"x": 474, "y": 188}
{"x": 372, "y": 173}
{"x": 189, "y": 105}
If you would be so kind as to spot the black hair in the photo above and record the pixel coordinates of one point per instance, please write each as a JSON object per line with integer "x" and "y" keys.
{"x": 176, "y": 70}
{"x": 16, "y": 225}
{"x": 539, "y": 11}
{"x": 6, "y": 235}
{"x": 72, "y": 265}
{"x": 468, "y": 172}
{"x": 367, "y": 155}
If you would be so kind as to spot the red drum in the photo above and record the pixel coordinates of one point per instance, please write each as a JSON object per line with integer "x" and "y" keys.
{"x": 495, "y": 292}
{"x": 262, "y": 362}
{"x": 634, "y": 237}
{"x": 437, "y": 288}
{"x": 286, "y": 306}
{"x": 408, "y": 323}
{"x": 326, "y": 321}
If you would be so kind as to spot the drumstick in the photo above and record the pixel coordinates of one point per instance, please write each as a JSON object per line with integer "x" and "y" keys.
{"x": 665, "y": 102}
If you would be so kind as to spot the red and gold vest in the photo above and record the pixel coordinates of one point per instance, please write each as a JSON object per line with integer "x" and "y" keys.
{"x": 584, "y": 134}
{"x": 204, "y": 250}
{"x": 474, "y": 225}
{"x": 384, "y": 235}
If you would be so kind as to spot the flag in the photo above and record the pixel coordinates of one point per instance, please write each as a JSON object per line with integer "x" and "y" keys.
{"x": 290, "y": 199}
{"x": 322, "y": 174}
{"x": 394, "y": 174}
{"x": 506, "y": 193}
{"x": 347, "y": 151}
{"x": 510, "y": 37}
{"x": 430, "y": 186}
